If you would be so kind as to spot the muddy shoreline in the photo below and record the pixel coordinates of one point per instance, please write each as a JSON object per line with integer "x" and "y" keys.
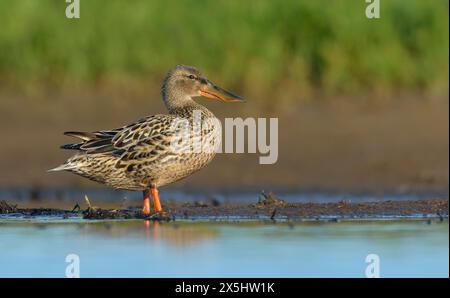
{"x": 268, "y": 208}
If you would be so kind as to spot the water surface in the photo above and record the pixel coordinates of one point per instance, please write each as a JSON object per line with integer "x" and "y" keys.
{"x": 137, "y": 248}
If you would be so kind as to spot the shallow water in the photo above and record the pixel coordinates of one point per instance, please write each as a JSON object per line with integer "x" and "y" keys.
{"x": 72, "y": 196}
{"x": 216, "y": 249}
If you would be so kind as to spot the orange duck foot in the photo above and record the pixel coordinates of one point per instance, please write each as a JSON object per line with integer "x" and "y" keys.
{"x": 146, "y": 203}
{"x": 146, "y": 206}
{"x": 156, "y": 202}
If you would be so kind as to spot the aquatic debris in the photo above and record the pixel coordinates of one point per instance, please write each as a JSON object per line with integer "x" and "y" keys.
{"x": 76, "y": 207}
{"x": 93, "y": 212}
{"x": 97, "y": 213}
{"x": 89, "y": 203}
{"x": 434, "y": 209}
{"x": 5, "y": 208}
{"x": 160, "y": 216}
{"x": 15, "y": 212}
{"x": 268, "y": 201}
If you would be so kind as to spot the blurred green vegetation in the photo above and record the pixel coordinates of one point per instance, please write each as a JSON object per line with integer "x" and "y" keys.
{"x": 261, "y": 46}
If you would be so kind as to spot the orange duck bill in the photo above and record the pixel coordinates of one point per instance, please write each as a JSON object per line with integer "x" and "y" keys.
{"x": 211, "y": 90}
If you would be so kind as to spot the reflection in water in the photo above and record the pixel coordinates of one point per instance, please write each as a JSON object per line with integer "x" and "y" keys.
{"x": 173, "y": 234}
{"x": 139, "y": 248}
{"x": 179, "y": 235}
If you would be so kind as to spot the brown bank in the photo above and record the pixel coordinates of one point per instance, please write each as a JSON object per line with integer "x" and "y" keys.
{"x": 268, "y": 208}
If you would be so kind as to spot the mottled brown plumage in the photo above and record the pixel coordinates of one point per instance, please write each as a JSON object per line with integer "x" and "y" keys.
{"x": 150, "y": 153}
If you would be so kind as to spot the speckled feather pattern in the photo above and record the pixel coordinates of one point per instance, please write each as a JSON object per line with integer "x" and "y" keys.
{"x": 140, "y": 155}
{"x": 155, "y": 150}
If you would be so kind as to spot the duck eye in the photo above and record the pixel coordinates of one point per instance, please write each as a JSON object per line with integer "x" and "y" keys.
{"x": 192, "y": 77}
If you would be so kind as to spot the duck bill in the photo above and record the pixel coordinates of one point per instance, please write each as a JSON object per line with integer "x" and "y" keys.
{"x": 213, "y": 91}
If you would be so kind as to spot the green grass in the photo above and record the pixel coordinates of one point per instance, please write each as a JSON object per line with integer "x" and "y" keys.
{"x": 258, "y": 45}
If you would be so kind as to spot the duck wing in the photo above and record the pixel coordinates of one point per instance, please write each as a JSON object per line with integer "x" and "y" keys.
{"x": 92, "y": 142}
{"x": 146, "y": 138}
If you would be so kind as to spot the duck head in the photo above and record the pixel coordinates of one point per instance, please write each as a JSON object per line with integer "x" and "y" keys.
{"x": 183, "y": 82}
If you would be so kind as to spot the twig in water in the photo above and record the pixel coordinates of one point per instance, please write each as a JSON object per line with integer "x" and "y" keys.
{"x": 87, "y": 201}
{"x": 76, "y": 207}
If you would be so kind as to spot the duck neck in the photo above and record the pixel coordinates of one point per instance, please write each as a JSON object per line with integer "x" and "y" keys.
{"x": 182, "y": 105}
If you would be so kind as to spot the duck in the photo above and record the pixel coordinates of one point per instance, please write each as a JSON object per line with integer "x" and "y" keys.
{"x": 156, "y": 150}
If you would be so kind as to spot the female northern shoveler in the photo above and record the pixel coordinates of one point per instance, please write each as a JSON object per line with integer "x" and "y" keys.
{"x": 141, "y": 156}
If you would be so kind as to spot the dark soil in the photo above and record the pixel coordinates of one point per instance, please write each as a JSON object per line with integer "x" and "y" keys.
{"x": 269, "y": 207}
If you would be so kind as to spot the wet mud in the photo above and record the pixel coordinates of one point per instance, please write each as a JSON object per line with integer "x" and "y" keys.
{"x": 269, "y": 207}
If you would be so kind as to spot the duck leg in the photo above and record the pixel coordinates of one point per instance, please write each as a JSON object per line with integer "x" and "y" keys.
{"x": 146, "y": 207}
{"x": 156, "y": 202}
